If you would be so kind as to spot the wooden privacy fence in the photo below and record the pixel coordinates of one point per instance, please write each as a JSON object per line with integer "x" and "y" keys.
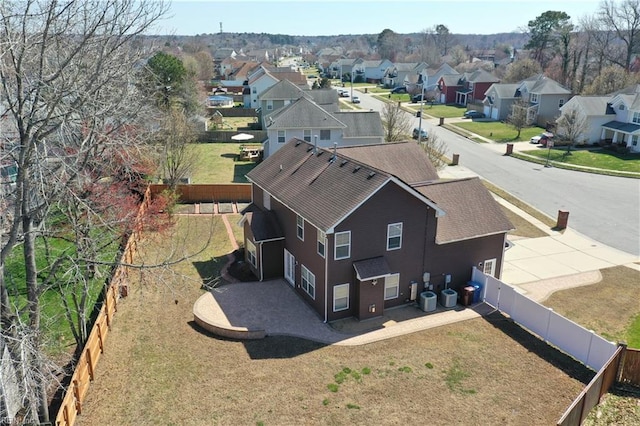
{"x": 622, "y": 367}
{"x": 84, "y": 373}
{"x": 238, "y": 192}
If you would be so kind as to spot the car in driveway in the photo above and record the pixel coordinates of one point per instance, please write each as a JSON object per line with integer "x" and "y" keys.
{"x": 541, "y": 139}
{"x": 355, "y": 100}
{"x": 422, "y": 132}
{"x": 399, "y": 89}
{"x": 473, "y": 114}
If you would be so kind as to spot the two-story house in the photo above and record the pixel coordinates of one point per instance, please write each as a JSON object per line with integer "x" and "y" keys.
{"x": 306, "y": 120}
{"x": 396, "y": 74}
{"x": 473, "y": 86}
{"x": 544, "y": 98}
{"x": 359, "y": 230}
{"x": 372, "y": 71}
{"x": 613, "y": 119}
{"x": 263, "y": 77}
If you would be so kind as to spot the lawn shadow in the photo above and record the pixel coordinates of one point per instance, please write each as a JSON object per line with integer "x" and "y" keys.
{"x": 229, "y": 155}
{"x": 240, "y": 170}
{"x": 210, "y": 271}
{"x": 533, "y": 344}
{"x": 280, "y": 347}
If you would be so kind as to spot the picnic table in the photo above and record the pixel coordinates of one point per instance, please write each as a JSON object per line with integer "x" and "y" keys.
{"x": 252, "y": 153}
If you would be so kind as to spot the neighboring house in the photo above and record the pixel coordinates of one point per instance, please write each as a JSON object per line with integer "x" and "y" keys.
{"x": 613, "y": 119}
{"x": 544, "y": 98}
{"x": 285, "y": 92}
{"x": 396, "y": 74}
{"x": 360, "y": 230}
{"x": 372, "y": 71}
{"x": 448, "y": 86}
{"x": 596, "y": 111}
{"x": 499, "y": 99}
{"x": 305, "y": 119}
{"x": 341, "y": 66}
{"x": 473, "y": 85}
{"x": 432, "y": 76}
{"x": 263, "y": 77}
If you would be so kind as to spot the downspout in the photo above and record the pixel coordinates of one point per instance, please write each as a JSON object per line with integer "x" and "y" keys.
{"x": 424, "y": 247}
{"x": 326, "y": 279}
{"x": 261, "y": 264}
{"x": 504, "y": 249}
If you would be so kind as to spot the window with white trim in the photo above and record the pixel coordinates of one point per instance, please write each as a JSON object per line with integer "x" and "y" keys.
{"x": 269, "y": 105}
{"x": 321, "y": 243}
{"x": 251, "y": 254}
{"x": 391, "y": 287}
{"x": 308, "y": 281}
{"x": 300, "y": 227}
{"x": 636, "y": 117}
{"x": 342, "y": 249}
{"x": 560, "y": 103}
{"x": 340, "y": 297}
{"x": 325, "y": 135}
{"x": 489, "y": 267}
{"x": 306, "y": 135}
{"x": 394, "y": 236}
{"x": 634, "y": 140}
{"x": 533, "y": 98}
{"x": 621, "y": 107}
{"x": 282, "y": 135}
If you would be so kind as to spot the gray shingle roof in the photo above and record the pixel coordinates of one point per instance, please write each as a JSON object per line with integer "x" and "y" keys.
{"x": 451, "y": 79}
{"x": 284, "y": 89}
{"x": 481, "y": 76}
{"x": 303, "y": 114}
{"x": 546, "y": 86}
{"x": 324, "y": 192}
{"x": 324, "y": 98}
{"x": 405, "y": 160}
{"x": 623, "y": 127}
{"x": 592, "y": 105}
{"x": 361, "y": 124}
{"x": 373, "y": 268}
{"x": 471, "y": 211}
{"x": 504, "y": 90}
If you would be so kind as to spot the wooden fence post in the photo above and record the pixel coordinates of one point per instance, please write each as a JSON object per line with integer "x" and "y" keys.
{"x": 620, "y": 366}
{"x": 76, "y": 393}
{"x": 89, "y": 363}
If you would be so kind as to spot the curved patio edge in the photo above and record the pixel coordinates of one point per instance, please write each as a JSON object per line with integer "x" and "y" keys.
{"x": 212, "y": 321}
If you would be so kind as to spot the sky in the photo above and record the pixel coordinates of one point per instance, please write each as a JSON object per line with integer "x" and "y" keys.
{"x": 332, "y": 17}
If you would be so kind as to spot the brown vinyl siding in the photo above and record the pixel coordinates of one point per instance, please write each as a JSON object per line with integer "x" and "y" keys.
{"x": 368, "y": 226}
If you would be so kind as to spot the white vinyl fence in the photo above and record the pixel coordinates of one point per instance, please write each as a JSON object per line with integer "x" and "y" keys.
{"x": 571, "y": 338}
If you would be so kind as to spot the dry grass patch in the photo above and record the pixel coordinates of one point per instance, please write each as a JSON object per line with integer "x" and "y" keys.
{"x": 607, "y": 307}
{"x": 159, "y": 369}
{"x": 524, "y": 228}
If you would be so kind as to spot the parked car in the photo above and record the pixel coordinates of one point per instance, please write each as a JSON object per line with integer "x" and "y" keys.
{"x": 422, "y": 132}
{"x": 541, "y": 139}
{"x": 416, "y": 98}
{"x": 399, "y": 89}
{"x": 355, "y": 100}
{"x": 473, "y": 114}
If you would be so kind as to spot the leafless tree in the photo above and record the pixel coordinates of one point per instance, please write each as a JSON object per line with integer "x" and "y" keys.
{"x": 175, "y": 141}
{"x": 609, "y": 80}
{"x": 572, "y": 125}
{"x": 67, "y": 89}
{"x": 396, "y": 122}
{"x": 436, "y": 149}
{"x": 518, "y": 118}
{"x": 521, "y": 69}
{"x": 623, "y": 18}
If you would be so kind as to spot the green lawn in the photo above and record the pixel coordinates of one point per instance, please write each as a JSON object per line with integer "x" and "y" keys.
{"x": 499, "y": 132}
{"x": 446, "y": 111}
{"x": 216, "y": 163}
{"x": 599, "y": 158}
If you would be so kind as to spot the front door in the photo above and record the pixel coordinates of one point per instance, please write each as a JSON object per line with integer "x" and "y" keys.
{"x": 289, "y": 267}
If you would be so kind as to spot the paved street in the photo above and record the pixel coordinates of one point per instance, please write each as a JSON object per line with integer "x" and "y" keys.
{"x": 604, "y": 208}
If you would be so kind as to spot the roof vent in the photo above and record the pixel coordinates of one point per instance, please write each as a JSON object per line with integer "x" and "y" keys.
{"x": 356, "y": 169}
{"x": 343, "y": 162}
{"x": 371, "y": 174}
{"x": 309, "y": 149}
{"x": 298, "y": 142}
